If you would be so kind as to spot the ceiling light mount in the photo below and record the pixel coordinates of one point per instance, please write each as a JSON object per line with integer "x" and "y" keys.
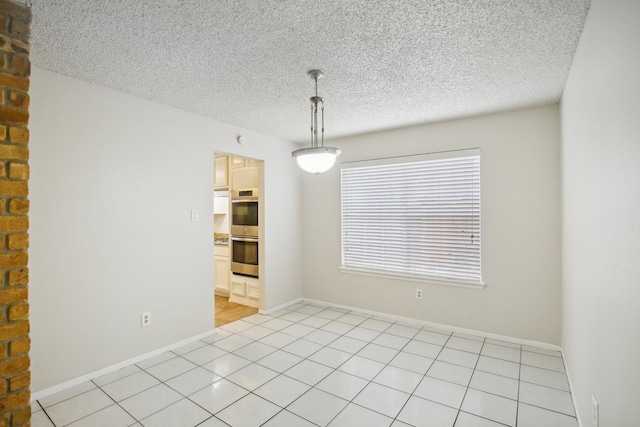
{"x": 317, "y": 158}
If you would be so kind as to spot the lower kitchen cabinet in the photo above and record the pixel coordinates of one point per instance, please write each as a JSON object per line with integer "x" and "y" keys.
{"x": 245, "y": 290}
{"x": 222, "y": 268}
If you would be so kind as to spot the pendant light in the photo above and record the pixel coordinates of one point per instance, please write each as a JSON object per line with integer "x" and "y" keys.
{"x": 317, "y": 158}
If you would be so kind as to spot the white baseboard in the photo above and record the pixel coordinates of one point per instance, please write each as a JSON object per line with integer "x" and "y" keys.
{"x": 79, "y": 380}
{"x": 281, "y": 306}
{"x": 473, "y": 332}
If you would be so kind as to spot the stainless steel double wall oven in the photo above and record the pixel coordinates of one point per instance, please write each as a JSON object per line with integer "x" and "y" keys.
{"x": 244, "y": 232}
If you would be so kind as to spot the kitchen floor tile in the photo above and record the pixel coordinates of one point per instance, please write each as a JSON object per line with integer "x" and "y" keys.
{"x": 412, "y": 362}
{"x": 361, "y": 367}
{"x": 67, "y": 394}
{"x": 277, "y": 324}
{"x": 378, "y": 353}
{"x": 356, "y": 415}
{"x": 297, "y": 330}
{"x": 171, "y": 368}
{"x": 382, "y": 399}
{"x": 308, "y": 372}
{"x": 149, "y": 401}
{"x": 204, "y": 354}
{"x": 542, "y": 361}
{"x": 256, "y": 333}
{"x": 330, "y": 357}
{"x": 432, "y": 337}
{"x": 79, "y": 406}
{"x": 399, "y": 379}
{"x": 469, "y": 420}
{"x": 440, "y": 391}
{"x": 337, "y": 327}
{"x": 362, "y": 334}
{"x": 501, "y": 352}
{"x": 348, "y": 345}
{"x": 236, "y": 326}
{"x": 255, "y": 351}
{"x": 498, "y": 367}
{"x": 189, "y": 347}
{"x": 279, "y": 361}
{"x": 457, "y": 357}
{"x": 544, "y": 377}
{"x": 252, "y": 376}
{"x": 490, "y": 406}
{"x": 496, "y": 384}
{"x": 352, "y": 319}
{"x": 547, "y": 398}
{"x": 226, "y": 365}
{"x": 278, "y": 340}
{"x": 532, "y": 416}
{"x": 402, "y": 330}
{"x": 233, "y": 342}
{"x": 184, "y": 412}
{"x": 390, "y": 340}
{"x": 342, "y": 385}
{"x": 111, "y": 416}
{"x": 302, "y": 348}
{"x": 192, "y": 381}
{"x": 128, "y": 386}
{"x": 419, "y": 412}
{"x": 318, "y": 406}
{"x": 287, "y": 419}
{"x": 424, "y": 349}
{"x": 464, "y": 344}
{"x": 453, "y": 373}
{"x": 250, "y": 411}
{"x": 114, "y": 376}
{"x": 218, "y": 395}
{"x": 282, "y": 390}
{"x": 321, "y": 337}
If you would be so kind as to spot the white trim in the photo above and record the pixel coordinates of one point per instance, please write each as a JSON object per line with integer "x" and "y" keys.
{"x": 410, "y": 278}
{"x": 79, "y": 380}
{"x": 474, "y": 332}
{"x": 573, "y": 396}
{"x": 280, "y": 307}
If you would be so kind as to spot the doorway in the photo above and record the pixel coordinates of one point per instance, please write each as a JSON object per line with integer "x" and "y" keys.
{"x": 238, "y": 288}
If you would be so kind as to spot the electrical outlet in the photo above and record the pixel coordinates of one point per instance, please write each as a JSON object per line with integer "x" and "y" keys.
{"x": 195, "y": 215}
{"x": 145, "y": 318}
{"x": 418, "y": 293}
{"x": 595, "y": 411}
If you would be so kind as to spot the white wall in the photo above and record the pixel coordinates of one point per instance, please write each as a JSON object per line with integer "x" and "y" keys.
{"x": 601, "y": 215}
{"x": 520, "y": 170}
{"x": 113, "y": 181}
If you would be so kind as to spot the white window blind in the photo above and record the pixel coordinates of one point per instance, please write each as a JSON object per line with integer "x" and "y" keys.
{"x": 414, "y": 217}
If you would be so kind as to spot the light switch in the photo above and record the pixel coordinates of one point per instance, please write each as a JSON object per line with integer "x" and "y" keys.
{"x": 195, "y": 215}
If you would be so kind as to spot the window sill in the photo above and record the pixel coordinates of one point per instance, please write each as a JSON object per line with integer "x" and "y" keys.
{"x": 413, "y": 278}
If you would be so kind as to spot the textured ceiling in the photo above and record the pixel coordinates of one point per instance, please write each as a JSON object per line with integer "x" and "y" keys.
{"x": 387, "y": 63}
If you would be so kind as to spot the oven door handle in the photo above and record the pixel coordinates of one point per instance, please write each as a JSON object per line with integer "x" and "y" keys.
{"x": 244, "y": 239}
{"x": 245, "y": 200}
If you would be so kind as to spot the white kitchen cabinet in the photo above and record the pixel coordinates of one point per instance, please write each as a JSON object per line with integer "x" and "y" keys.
{"x": 222, "y": 268}
{"x": 246, "y": 177}
{"x": 221, "y": 172}
{"x": 245, "y": 290}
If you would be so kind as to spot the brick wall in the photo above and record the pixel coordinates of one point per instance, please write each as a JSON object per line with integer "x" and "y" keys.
{"x": 15, "y": 19}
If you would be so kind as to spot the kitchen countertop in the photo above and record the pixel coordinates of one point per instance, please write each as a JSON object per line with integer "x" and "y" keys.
{"x": 221, "y": 239}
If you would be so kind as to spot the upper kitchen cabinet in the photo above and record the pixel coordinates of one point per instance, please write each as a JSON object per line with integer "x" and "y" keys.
{"x": 244, "y": 173}
{"x": 221, "y": 172}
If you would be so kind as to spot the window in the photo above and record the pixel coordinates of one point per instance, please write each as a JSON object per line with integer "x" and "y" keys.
{"x": 416, "y": 217}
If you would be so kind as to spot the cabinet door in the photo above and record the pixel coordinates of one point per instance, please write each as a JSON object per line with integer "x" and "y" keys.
{"x": 237, "y": 162}
{"x": 221, "y": 175}
{"x": 245, "y": 178}
{"x": 223, "y": 273}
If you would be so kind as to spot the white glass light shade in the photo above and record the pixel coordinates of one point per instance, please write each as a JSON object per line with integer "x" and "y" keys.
{"x": 316, "y": 159}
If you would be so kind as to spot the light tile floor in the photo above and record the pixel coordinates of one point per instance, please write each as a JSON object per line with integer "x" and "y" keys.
{"x": 321, "y": 366}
